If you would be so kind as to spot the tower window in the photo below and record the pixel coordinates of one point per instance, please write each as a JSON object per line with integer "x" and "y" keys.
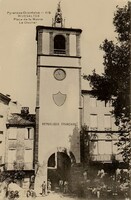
{"x": 28, "y": 156}
{"x": 29, "y": 134}
{"x": 93, "y": 122}
{"x": 107, "y": 122}
{"x": 11, "y": 155}
{"x": 59, "y": 44}
{"x": 13, "y": 133}
{"x": 93, "y": 102}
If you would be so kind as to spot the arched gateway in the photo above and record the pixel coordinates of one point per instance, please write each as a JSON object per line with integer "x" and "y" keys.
{"x": 56, "y": 166}
{"x": 59, "y": 167}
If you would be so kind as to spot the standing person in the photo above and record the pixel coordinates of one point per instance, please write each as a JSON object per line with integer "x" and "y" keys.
{"x": 49, "y": 185}
{"x": 28, "y": 193}
{"x": 98, "y": 193}
{"x": 43, "y": 188}
{"x": 65, "y": 187}
{"x": 61, "y": 185}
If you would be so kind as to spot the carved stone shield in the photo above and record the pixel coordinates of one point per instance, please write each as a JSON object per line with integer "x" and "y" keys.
{"x": 59, "y": 98}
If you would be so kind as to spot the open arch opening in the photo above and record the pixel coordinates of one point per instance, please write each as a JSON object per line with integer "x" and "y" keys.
{"x": 59, "y": 44}
{"x": 59, "y": 166}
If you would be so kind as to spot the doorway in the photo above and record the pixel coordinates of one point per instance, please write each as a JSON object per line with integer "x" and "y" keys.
{"x": 59, "y": 165}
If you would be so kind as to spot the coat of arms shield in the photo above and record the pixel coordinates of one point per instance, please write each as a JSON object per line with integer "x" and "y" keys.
{"x": 59, "y": 98}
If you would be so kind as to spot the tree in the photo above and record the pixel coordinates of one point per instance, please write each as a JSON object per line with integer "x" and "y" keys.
{"x": 114, "y": 83}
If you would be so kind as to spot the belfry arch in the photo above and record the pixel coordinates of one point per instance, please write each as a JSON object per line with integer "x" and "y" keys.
{"x": 59, "y": 44}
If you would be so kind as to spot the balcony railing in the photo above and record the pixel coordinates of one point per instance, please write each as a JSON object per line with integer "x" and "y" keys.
{"x": 59, "y": 51}
{"x": 101, "y": 157}
{"x": 108, "y": 129}
{"x": 106, "y": 157}
{"x": 93, "y": 128}
{"x": 19, "y": 166}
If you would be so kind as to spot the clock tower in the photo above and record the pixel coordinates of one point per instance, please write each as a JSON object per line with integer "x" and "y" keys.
{"x": 58, "y": 101}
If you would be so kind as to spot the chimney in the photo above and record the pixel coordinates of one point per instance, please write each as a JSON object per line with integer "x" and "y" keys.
{"x": 8, "y": 95}
{"x": 25, "y": 110}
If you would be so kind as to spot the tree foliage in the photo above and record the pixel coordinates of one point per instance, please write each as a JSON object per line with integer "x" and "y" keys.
{"x": 114, "y": 83}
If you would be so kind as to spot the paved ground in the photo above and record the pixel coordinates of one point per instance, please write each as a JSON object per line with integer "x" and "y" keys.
{"x": 56, "y": 196}
{"x": 51, "y": 196}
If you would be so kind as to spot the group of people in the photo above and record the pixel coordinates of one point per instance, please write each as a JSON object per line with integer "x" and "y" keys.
{"x": 44, "y": 188}
{"x": 63, "y": 185}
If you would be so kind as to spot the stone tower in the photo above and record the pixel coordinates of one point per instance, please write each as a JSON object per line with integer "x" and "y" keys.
{"x": 58, "y": 100}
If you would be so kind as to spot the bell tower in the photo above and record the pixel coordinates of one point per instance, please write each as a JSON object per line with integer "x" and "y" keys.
{"x": 58, "y": 98}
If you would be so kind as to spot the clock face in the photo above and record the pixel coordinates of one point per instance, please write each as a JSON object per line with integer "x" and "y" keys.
{"x": 59, "y": 74}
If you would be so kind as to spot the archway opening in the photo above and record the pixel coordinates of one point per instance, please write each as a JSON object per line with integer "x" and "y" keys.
{"x": 59, "y": 165}
{"x": 59, "y": 44}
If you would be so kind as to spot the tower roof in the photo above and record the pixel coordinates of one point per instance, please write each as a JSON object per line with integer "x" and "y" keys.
{"x": 4, "y": 98}
{"x": 58, "y": 20}
{"x": 17, "y": 119}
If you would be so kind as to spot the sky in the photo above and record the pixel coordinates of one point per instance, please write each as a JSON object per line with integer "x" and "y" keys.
{"x": 18, "y": 44}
